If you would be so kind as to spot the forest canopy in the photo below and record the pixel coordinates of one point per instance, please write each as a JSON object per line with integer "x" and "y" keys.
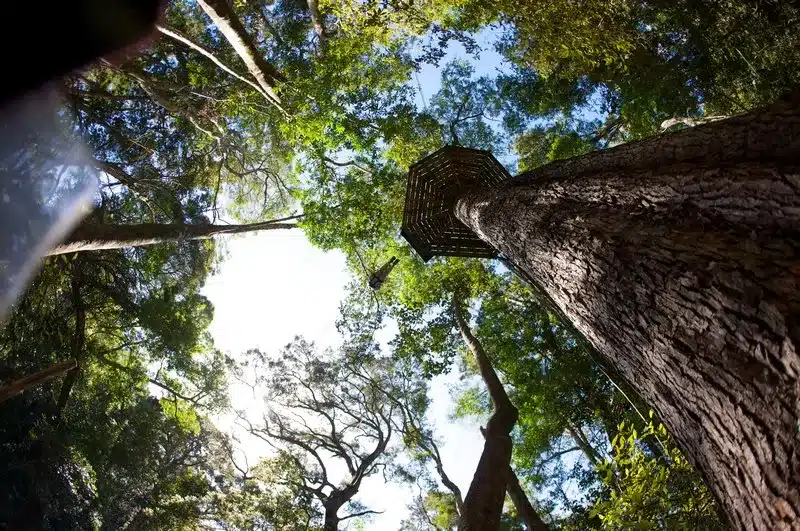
{"x": 305, "y": 116}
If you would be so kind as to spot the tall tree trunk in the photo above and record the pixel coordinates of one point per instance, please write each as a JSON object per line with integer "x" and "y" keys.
{"x": 678, "y": 257}
{"x": 525, "y": 509}
{"x": 179, "y": 37}
{"x": 99, "y": 236}
{"x": 577, "y": 435}
{"x": 39, "y": 377}
{"x": 78, "y": 341}
{"x": 483, "y": 505}
{"x": 223, "y": 16}
{"x": 316, "y": 19}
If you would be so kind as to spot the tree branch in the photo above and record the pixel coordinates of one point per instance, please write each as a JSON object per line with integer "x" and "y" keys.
{"x": 316, "y": 19}
{"x": 362, "y": 513}
{"x": 178, "y": 36}
{"x": 347, "y": 164}
{"x": 222, "y": 15}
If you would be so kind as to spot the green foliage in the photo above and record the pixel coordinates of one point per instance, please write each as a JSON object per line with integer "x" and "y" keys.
{"x": 180, "y": 140}
{"x": 96, "y": 448}
{"x": 652, "y": 493}
{"x": 563, "y": 140}
{"x": 436, "y": 510}
{"x": 652, "y": 60}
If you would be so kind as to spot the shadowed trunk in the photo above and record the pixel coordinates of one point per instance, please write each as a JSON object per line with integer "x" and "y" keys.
{"x": 525, "y": 509}
{"x": 78, "y": 343}
{"x": 316, "y": 19}
{"x": 223, "y": 16}
{"x": 331, "y": 518}
{"x": 577, "y": 435}
{"x": 98, "y": 236}
{"x": 38, "y": 378}
{"x": 483, "y": 505}
{"x": 678, "y": 257}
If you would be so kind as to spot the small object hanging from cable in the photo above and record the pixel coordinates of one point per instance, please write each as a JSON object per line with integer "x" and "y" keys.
{"x": 377, "y": 278}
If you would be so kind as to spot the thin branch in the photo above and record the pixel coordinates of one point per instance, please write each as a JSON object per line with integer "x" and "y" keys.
{"x": 270, "y": 28}
{"x": 345, "y": 164}
{"x": 556, "y": 455}
{"x": 362, "y": 513}
{"x": 114, "y": 170}
{"x": 457, "y": 120}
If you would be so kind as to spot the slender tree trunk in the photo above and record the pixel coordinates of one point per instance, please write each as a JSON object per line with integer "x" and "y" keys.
{"x": 179, "y": 37}
{"x": 526, "y": 511}
{"x": 98, "y": 236}
{"x": 78, "y": 342}
{"x": 679, "y": 259}
{"x": 316, "y": 19}
{"x": 38, "y": 378}
{"x": 483, "y": 505}
{"x": 579, "y": 437}
{"x": 223, "y": 16}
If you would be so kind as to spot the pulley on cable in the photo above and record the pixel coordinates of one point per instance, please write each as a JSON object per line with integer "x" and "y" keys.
{"x": 377, "y": 278}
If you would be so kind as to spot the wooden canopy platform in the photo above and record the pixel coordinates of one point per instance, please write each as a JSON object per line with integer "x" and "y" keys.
{"x": 434, "y": 185}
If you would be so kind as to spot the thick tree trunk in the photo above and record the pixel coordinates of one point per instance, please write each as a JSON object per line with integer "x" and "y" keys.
{"x": 98, "y": 236}
{"x": 222, "y": 15}
{"x": 331, "y": 522}
{"x": 483, "y": 505}
{"x": 679, "y": 259}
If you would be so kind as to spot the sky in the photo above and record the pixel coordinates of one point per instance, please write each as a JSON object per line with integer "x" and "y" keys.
{"x": 275, "y": 285}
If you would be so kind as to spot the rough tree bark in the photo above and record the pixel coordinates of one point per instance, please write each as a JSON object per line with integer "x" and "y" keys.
{"x": 100, "y": 236}
{"x": 228, "y": 23}
{"x": 678, "y": 257}
{"x": 483, "y": 505}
